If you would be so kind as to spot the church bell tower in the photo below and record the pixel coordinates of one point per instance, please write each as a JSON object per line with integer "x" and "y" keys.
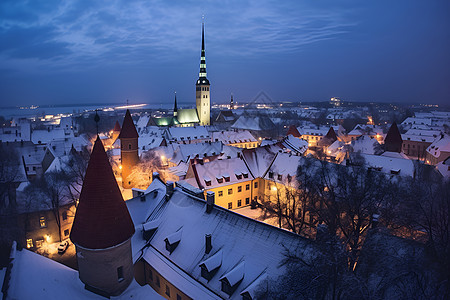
{"x": 202, "y": 88}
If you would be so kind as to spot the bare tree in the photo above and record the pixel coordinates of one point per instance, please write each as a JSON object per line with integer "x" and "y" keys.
{"x": 141, "y": 175}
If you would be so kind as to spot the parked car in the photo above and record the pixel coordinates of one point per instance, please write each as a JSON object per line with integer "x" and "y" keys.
{"x": 63, "y": 247}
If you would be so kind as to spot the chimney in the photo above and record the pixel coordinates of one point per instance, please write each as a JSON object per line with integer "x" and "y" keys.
{"x": 155, "y": 175}
{"x": 209, "y": 201}
{"x": 208, "y": 245}
{"x": 169, "y": 189}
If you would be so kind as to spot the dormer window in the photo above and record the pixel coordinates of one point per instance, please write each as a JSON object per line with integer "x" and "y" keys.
{"x": 280, "y": 177}
{"x": 207, "y": 180}
{"x": 271, "y": 175}
{"x": 219, "y": 179}
{"x": 227, "y": 177}
{"x": 172, "y": 241}
{"x": 245, "y": 175}
{"x": 231, "y": 280}
{"x": 210, "y": 266}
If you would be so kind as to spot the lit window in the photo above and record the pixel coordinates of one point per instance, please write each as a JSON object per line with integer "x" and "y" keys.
{"x": 247, "y": 187}
{"x": 230, "y": 191}
{"x": 39, "y": 243}
{"x": 29, "y": 243}
{"x": 42, "y": 223}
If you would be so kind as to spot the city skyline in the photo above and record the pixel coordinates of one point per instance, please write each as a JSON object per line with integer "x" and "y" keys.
{"x": 72, "y": 52}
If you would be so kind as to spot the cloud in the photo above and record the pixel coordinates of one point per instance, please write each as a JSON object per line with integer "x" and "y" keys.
{"x": 78, "y": 34}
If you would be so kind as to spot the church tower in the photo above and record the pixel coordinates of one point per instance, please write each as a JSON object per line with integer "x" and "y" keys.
{"x": 202, "y": 88}
{"x": 128, "y": 148}
{"x": 175, "y": 107}
{"x": 231, "y": 102}
{"x": 102, "y": 229}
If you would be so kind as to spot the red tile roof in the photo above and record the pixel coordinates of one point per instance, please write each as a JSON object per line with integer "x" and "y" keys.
{"x": 293, "y": 131}
{"x": 128, "y": 129}
{"x": 393, "y": 140}
{"x": 102, "y": 219}
{"x": 117, "y": 126}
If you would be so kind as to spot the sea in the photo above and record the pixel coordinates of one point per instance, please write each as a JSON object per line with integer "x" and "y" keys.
{"x": 36, "y": 110}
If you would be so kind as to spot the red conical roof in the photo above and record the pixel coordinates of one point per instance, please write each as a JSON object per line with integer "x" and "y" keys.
{"x": 393, "y": 140}
{"x": 102, "y": 219}
{"x": 293, "y": 131}
{"x": 117, "y": 126}
{"x": 128, "y": 129}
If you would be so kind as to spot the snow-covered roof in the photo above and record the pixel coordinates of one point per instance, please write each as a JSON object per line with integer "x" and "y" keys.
{"x": 246, "y": 254}
{"x": 295, "y": 144}
{"x": 256, "y": 123}
{"x": 259, "y": 159}
{"x": 223, "y": 172}
{"x": 440, "y": 145}
{"x": 414, "y": 120}
{"x": 187, "y": 133}
{"x": 233, "y": 137}
{"x": 366, "y": 144}
{"x": 213, "y": 261}
{"x": 284, "y": 165}
{"x": 36, "y": 277}
{"x": 390, "y": 165}
{"x": 46, "y": 136}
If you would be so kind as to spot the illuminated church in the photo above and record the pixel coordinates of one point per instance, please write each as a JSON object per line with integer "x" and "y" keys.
{"x": 196, "y": 116}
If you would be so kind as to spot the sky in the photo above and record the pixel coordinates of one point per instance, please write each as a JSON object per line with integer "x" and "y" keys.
{"x": 65, "y": 52}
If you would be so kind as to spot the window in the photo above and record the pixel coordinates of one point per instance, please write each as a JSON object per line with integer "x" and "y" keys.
{"x": 247, "y": 201}
{"x": 271, "y": 175}
{"x": 239, "y": 176}
{"x": 158, "y": 284}
{"x": 280, "y": 177}
{"x": 150, "y": 274}
{"x": 230, "y": 191}
{"x": 219, "y": 180}
{"x": 256, "y": 185}
{"x": 178, "y": 297}
{"x": 239, "y": 189}
{"x": 208, "y": 182}
{"x": 129, "y": 146}
{"x": 227, "y": 178}
{"x": 245, "y": 175}
{"x": 167, "y": 290}
{"x": 64, "y": 215}
{"x": 239, "y": 203}
{"x": 39, "y": 243}
{"x": 29, "y": 243}
{"x": 230, "y": 205}
{"x": 220, "y": 193}
{"x": 120, "y": 274}
{"x": 42, "y": 223}
{"x": 66, "y": 232}
{"x": 247, "y": 187}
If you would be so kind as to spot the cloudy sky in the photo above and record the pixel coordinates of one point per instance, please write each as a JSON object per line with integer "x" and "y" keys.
{"x": 109, "y": 51}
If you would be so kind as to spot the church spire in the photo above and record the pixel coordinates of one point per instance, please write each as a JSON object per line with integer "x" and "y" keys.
{"x": 175, "y": 108}
{"x": 231, "y": 102}
{"x": 202, "y": 73}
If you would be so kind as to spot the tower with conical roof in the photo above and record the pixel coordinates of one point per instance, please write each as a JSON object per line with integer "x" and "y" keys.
{"x": 393, "y": 140}
{"x": 102, "y": 229}
{"x": 128, "y": 148}
{"x": 202, "y": 93}
{"x": 116, "y": 131}
{"x": 231, "y": 102}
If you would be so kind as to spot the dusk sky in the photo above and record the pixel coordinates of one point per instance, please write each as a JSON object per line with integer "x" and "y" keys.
{"x": 109, "y": 51}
